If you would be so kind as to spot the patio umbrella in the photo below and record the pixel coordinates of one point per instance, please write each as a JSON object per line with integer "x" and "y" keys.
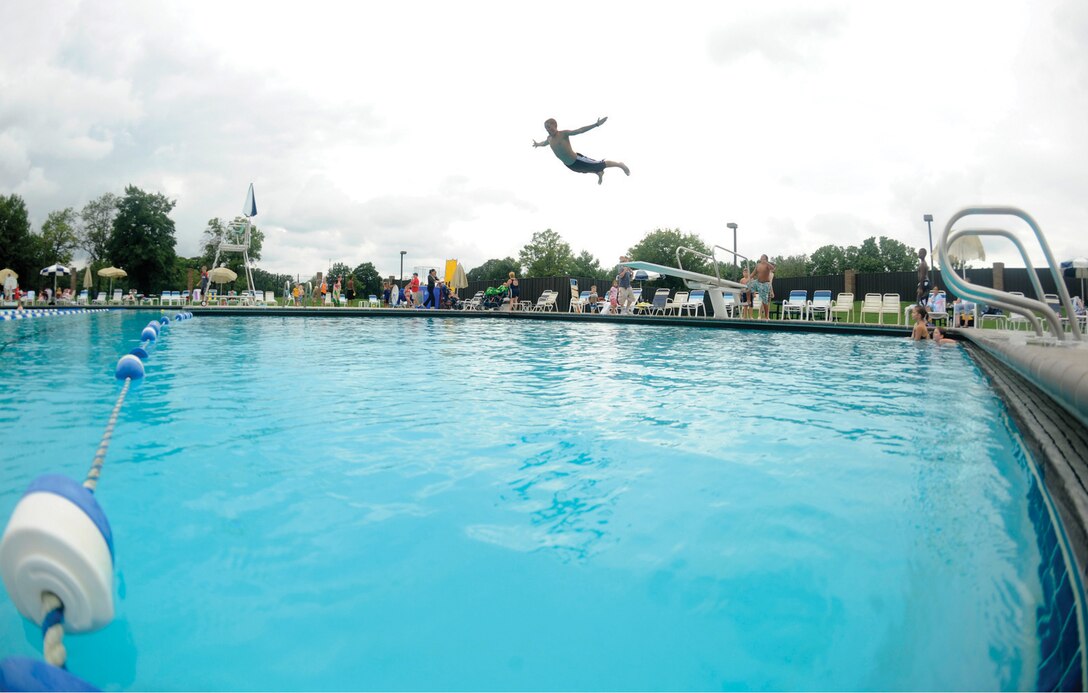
{"x": 644, "y": 276}
{"x": 1077, "y": 267}
{"x": 222, "y": 275}
{"x": 966, "y": 248}
{"x": 88, "y": 281}
{"x": 112, "y": 273}
{"x": 5, "y": 273}
{"x": 54, "y": 271}
{"x": 459, "y": 280}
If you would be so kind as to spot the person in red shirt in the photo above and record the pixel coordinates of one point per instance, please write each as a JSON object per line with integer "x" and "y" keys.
{"x": 414, "y": 288}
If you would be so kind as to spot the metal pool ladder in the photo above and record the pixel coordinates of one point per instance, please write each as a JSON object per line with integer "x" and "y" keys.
{"x": 1022, "y": 305}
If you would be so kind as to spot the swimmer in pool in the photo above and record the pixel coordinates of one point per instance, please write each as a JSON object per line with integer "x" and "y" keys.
{"x": 559, "y": 141}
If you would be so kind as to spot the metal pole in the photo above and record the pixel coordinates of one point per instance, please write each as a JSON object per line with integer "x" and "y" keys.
{"x": 928, "y": 219}
{"x": 402, "y": 265}
{"x": 733, "y": 226}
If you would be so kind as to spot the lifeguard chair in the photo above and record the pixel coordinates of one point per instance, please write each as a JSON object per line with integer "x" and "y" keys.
{"x": 236, "y": 237}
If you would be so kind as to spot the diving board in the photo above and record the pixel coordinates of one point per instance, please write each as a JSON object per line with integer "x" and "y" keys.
{"x": 714, "y": 286}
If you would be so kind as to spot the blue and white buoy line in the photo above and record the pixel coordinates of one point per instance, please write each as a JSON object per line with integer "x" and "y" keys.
{"x": 8, "y": 314}
{"x": 56, "y": 553}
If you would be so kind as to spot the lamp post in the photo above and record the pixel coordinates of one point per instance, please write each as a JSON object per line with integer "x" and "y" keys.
{"x": 402, "y": 253}
{"x": 928, "y": 219}
{"x": 733, "y": 226}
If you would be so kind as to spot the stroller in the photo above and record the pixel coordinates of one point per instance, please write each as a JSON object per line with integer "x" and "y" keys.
{"x": 494, "y": 296}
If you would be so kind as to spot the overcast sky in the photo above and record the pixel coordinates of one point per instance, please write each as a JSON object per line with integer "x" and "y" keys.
{"x": 371, "y": 128}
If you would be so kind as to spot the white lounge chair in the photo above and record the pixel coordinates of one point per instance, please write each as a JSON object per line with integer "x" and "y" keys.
{"x": 890, "y": 306}
{"x": 843, "y": 304}
{"x": 820, "y": 304}
{"x": 796, "y": 304}
{"x": 695, "y": 303}
{"x": 677, "y": 302}
{"x": 873, "y": 304}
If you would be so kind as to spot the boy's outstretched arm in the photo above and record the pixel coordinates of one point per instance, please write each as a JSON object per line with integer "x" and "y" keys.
{"x": 587, "y": 128}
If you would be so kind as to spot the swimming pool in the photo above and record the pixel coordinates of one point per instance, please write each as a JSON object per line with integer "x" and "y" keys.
{"x": 324, "y": 504}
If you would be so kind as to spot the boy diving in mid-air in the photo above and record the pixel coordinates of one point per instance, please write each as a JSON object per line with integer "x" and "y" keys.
{"x": 559, "y": 141}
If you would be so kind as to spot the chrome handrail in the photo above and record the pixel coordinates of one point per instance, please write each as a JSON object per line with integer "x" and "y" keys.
{"x": 693, "y": 251}
{"x": 1016, "y": 304}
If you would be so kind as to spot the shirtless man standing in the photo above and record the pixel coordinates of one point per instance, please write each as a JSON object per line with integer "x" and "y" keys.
{"x": 761, "y": 284}
{"x": 559, "y": 141}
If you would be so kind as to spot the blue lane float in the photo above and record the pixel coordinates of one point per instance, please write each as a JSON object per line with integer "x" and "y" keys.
{"x": 56, "y": 554}
{"x": 28, "y": 314}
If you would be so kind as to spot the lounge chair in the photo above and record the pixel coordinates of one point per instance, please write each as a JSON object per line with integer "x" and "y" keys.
{"x": 797, "y": 304}
{"x": 938, "y": 309}
{"x": 677, "y": 302}
{"x": 729, "y": 299}
{"x": 695, "y": 303}
{"x": 660, "y": 304}
{"x": 118, "y": 297}
{"x": 578, "y": 304}
{"x": 81, "y": 299}
{"x": 477, "y": 298}
{"x": 546, "y": 301}
{"x": 100, "y": 300}
{"x": 820, "y": 303}
{"x": 890, "y": 306}
{"x": 843, "y": 304}
{"x": 874, "y": 304}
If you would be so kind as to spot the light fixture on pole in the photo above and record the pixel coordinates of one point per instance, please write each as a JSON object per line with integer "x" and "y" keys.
{"x": 733, "y": 226}
{"x": 928, "y": 219}
{"x": 402, "y": 253}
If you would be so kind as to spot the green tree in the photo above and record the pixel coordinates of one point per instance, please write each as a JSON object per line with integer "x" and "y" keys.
{"x": 143, "y": 239}
{"x": 828, "y": 259}
{"x": 367, "y": 280}
{"x": 896, "y": 256}
{"x": 585, "y": 265}
{"x": 17, "y": 246}
{"x": 60, "y": 235}
{"x": 659, "y": 246}
{"x": 547, "y": 255}
{"x": 791, "y": 266}
{"x": 865, "y": 258}
{"x": 494, "y": 270}
{"x": 338, "y": 269}
{"x": 97, "y": 217}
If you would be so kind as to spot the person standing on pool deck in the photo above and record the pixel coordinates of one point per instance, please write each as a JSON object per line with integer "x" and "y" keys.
{"x": 515, "y": 290}
{"x": 432, "y": 299}
{"x": 559, "y": 141}
{"x": 623, "y": 278}
{"x": 204, "y": 284}
{"x": 923, "y": 277}
{"x": 761, "y": 285}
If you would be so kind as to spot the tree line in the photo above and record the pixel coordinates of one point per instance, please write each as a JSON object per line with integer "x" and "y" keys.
{"x": 548, "y": 255}
{"x": 134, "y": 231}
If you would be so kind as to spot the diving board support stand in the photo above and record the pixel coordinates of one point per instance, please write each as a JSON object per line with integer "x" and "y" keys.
{"x": 715, "y": 287}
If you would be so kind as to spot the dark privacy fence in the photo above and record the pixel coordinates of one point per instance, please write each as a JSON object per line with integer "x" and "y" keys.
{"x": 903, "y": 283}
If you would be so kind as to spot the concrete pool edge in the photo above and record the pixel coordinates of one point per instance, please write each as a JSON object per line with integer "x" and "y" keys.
{"x": 1057, "y": 443}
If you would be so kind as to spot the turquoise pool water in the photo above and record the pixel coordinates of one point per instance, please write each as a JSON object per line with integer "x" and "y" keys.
{"x": 404, "y": 504}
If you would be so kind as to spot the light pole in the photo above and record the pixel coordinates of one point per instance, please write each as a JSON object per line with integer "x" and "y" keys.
{"x": 402, "y": 253}
{"x": 928, "y": 219}
{"x": 733, "y": 226}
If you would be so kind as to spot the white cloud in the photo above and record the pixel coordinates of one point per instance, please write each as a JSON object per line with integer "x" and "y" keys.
{"x": 368, "y": 130}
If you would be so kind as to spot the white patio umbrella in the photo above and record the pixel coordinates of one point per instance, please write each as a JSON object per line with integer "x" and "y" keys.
{"x": 112, "y": 273}
{"x": 1077, "y": 267}
{"x": 54, "y": 271}
{"x": 222, "y": 275}
{"x": 966, "y": 248}
{"x": 88, "y": 280}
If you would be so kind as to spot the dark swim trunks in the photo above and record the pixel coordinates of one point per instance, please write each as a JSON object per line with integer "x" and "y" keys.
{"x": 583, "y": 164}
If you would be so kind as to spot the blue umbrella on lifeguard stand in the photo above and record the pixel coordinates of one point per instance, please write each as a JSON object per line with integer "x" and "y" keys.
{"x": 54, "y": 270}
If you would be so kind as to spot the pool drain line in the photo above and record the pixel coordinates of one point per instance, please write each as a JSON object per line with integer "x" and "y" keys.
{"x": 56, "y": 554}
